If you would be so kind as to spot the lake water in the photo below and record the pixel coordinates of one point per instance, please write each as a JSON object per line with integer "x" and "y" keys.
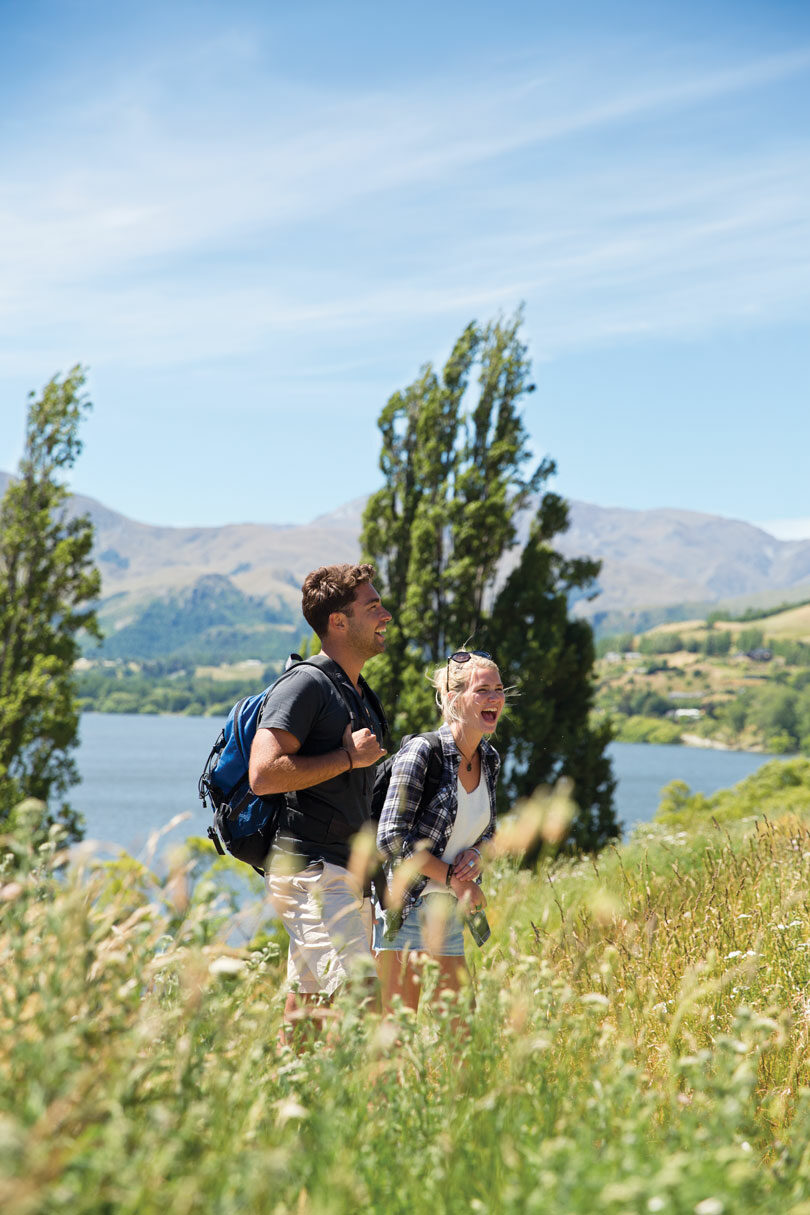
{"x": 138, "y": 772}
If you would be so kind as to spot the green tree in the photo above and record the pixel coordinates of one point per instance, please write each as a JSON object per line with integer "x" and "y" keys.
{"x": 660, "y": 643}
{"x": 750, "y": 639}
{"x": 441, "y": 533}
{"x": 717, "y": 644}
{"x": 47, "y": 586}
{"x": 548, "y": 657}
{"x": 775, "y": 714}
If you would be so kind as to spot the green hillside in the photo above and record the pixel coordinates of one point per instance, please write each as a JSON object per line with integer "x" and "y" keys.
{"x": 724, "y": 682}
{"x": 211, "y": 621}
{"x": 754, "y": 605}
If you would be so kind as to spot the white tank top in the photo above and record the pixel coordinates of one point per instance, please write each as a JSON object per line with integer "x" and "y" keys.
{"x": 472, "y": 820}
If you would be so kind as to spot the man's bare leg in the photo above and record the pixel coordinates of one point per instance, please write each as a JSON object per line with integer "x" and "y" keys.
{"x": 304, "y": 1016}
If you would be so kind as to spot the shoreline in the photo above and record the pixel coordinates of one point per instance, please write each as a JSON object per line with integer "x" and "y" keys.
{"x": 714, "y": 744}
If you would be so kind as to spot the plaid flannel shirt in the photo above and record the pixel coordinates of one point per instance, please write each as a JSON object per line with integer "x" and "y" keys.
{"x": 405, "y": 829}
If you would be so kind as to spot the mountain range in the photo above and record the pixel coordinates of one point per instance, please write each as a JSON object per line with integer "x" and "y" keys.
{"x": 234, "y": 591}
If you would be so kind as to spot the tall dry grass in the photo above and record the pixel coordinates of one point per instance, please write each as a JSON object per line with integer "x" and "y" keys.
{"x": 636, "y": 1040}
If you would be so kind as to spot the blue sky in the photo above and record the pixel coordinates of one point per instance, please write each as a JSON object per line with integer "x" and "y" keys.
{"x": 254, "y": 221}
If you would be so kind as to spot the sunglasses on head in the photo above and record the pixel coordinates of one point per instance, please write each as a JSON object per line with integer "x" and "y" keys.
{"x": 462, "y": 656}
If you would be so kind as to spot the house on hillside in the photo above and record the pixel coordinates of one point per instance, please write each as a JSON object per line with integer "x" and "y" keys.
{"x": 760, "y": 654}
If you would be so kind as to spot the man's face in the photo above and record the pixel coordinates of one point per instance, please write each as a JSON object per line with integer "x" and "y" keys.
{"x": 366, "y": 622}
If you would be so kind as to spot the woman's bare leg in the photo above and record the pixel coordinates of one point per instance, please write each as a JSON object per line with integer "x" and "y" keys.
{"x": 398, "y": 978}
{"x": 454, "y": 976}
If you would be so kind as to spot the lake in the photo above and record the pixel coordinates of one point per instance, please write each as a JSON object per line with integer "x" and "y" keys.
{"x": 138, "y": 772}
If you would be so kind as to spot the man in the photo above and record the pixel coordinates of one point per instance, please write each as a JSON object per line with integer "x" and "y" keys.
{"x": 307, "y": 745}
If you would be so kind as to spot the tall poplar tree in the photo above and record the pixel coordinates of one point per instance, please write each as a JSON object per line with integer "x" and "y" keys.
{"x": 454, "y": 459}
{"x": 548, "y": 656}
{"x": 47, "y": 587}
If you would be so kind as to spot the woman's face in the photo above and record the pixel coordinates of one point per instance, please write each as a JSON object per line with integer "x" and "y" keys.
{"x": 481, "y": 703}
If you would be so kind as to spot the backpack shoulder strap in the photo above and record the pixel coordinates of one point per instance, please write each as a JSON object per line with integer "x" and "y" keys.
{"x": 340, "y": 679}
{"x": 435, "y": 764}
{"x": 336, "y": 676}
{"x": 379, "y": 712}
{"x": 433, "y": 775}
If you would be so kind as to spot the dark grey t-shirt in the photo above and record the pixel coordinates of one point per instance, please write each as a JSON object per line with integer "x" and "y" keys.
{"x": 319, "y": 822}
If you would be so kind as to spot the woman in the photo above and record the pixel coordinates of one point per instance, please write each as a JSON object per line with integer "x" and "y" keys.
{"x": 453, "y": 823}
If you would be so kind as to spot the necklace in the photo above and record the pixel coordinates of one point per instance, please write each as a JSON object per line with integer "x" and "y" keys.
{"x": 469, "y": 761}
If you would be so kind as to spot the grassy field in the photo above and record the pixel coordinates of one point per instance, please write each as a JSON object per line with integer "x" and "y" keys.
{"x": 638, "y": 1042}
{"x": 793, "y": 624}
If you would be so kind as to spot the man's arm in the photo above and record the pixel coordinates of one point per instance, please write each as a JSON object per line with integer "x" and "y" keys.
{"x": 276, "y": 766}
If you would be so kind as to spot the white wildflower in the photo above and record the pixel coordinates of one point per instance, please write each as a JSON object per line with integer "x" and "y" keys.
{"x": 735, "y": 953}
{"x": 288, "y": 1109}
{"x": 227, "y": 966}
{"x": 710, "y": 1206}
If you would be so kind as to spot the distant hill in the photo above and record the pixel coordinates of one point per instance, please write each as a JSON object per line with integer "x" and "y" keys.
{"x": 208, "y": 593}
{"x": 235, "y": 589}
{"x": 790, "y": 624}
{"x": 664, "y": 556}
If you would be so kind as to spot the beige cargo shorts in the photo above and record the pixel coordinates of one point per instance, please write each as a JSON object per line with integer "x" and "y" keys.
{"x": 329, "y": 923}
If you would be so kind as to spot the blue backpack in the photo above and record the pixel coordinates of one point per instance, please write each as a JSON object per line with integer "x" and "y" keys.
{"x": 243, "y": 821}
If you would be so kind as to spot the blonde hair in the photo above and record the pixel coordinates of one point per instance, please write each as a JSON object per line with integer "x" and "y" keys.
{"x": 460, "y": 674}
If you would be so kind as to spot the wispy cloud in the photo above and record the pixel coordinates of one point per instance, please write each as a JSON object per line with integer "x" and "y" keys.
{"x": 159, "y": 234}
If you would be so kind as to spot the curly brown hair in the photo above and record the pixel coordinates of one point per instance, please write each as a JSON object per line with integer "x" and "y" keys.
{"x": 331, "y": 588}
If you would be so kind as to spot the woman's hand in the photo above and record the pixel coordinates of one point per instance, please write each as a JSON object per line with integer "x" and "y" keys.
{"x": 469, "y": 894}
{"x": 467, "y": 864}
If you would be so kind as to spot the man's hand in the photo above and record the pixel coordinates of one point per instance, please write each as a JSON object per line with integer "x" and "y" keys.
{"x": 362, "y": 746}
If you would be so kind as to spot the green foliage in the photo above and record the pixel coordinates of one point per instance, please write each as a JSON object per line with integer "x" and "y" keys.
{"x": 795, "y": 653}
{"x": 643, "y": 702}
{"x": 770, "y": 711}
{"x": 713, "y": 644}
{"x": 618, "y": 643}
{"x": 548, "y": 656}
{"x": 777, "y": 788}
{"x": 717, "y": 644}
{"x": 750, "y": 639}
{"x": 779, "y": 714}
{"x": 643, "y": 619}
{"x": 640, "y": 729}
{"x": 47, "y": 586}
{"x": 120, "y": 689}
{"x": 637, "y": 1043}
{"x": 660, "y": 643}
{"x": 447, "y": 511}
{"x": 438, "y": 532}
{"x": 207, "y": 623}
{"x": 762, "y": 613}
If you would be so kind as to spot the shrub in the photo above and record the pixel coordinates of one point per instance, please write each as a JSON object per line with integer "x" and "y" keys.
{"x": 647, "y": 730}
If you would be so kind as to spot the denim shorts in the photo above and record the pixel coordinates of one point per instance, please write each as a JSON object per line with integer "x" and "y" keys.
{"x": 433, "y": 926}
